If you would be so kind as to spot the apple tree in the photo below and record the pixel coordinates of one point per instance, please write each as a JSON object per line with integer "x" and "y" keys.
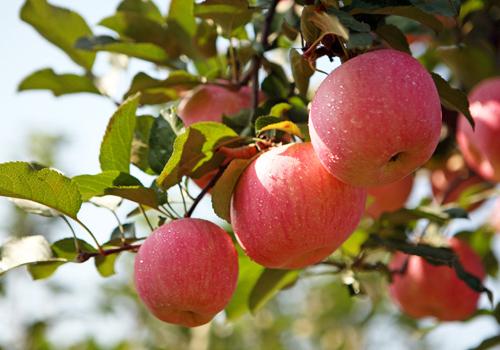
{"x": 311, "y": 179}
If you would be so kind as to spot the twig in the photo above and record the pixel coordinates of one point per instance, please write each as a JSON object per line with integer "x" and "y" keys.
{"x": 182, "y": 196}
{"x": 143, "y": 212}
{"x": 84, "y": 256}
{"x": 90, "y": 233}
{"x": 77, "y": 244}
{"x": 205, "y": 190}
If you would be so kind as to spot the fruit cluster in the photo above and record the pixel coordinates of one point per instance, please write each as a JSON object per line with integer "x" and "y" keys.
{"x": 372, "y": 123}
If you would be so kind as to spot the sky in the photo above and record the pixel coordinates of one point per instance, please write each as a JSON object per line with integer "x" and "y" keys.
{"x": 82, "y": 120}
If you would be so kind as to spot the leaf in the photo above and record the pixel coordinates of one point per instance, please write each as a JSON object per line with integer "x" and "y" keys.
{"x": 279, "y": 110}
{"x": 248, "y": 275}
{"x": 449, "y": 8}
{"x": 224, "y": 187}
{"x": 146, "y": 8}
{"x": 34, "y": 207}
{"x": 60, "y": 26}
{"x": 301, "y": 71}
{"x": 129, "y": 233}
{"x": 359, "y": 40}
{"x": 274, "y": 87}
{"x": 17, "y": 252}
{"x": 394, "y": 37}
{"x": 328, "y": 24}
{"x": 117, "y": 184}
{"x": 43, "y": 269}
{"x": 45, "y": 186}
{"x": 193, "y": 152}
{"x": 349, "y": 21}
{"x": 105, "y": 265}
{"x": 286, "y": 126}
{"x": 403, "y": 11}
{"x": 155, "y": 91}
{"x": 140, "y": 144}
{"x": 58, "y": 84}
{"x": 145, "y": 51}
{"x": 117, "y": 142}
{"x": 161, "y": 144}
{"x": 266, "y": 120}
{"x": 270, "y": 282}
{"x": 182, "y": 12}
{"x": 452, "y": 98}
{"x": 66, "y": 249}
{"x": 228, "y": 14}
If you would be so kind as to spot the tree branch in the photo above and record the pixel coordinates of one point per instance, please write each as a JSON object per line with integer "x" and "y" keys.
{"x": 84, "y": 256}
{"x": 205, "y": 190}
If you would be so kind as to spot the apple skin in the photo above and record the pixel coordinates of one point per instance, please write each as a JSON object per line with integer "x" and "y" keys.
{"x": 288, "y": 212}
{"x": 376, "y": 118}
{"x": 428, "y": 290}
{"x": 211, "y": 102}
{"x": 186, "y": 271}
{"x": 390, "y": 197}
{"x": 481, "y": 147}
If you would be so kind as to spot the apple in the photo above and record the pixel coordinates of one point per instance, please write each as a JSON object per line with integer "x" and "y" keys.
{"x": 376, "y": 118}
{"x": 288, "y": 212}
{"x": 481, "y": 146}
{"x": 390, "y": 197}
{"x": 186, "y": 271}
{"x": 429, "y": 290}
{"x": 211, "y": 102}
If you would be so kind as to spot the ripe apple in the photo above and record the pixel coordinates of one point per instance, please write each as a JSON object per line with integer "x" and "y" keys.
{"x": 429, "y": 290}
{"x": 390, "y": 197}
{"x": 481, "y": 146}
{"x": 288, "y": 212}
{"x": 376, "y": 118}
{"x": 186, "y": 271}
{"x": 211, "y": 102}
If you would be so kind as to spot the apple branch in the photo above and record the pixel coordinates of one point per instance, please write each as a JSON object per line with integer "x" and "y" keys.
{"x": 84, "y": 256}
{"x": 205, "y": 190}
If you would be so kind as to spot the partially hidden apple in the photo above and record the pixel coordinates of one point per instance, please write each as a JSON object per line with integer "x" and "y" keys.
{"x": 186, "y": 271}
{"x": 288, "y": 212}
{"x": 425, "y": 290}
{"x": 211, "y": 102}
{"x": 376, "y": 118}
{"x": 390, "y": 197}
{"x": 481, "y": 146}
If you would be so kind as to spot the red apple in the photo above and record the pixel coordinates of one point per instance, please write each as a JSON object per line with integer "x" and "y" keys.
{"x": 390, "y": 197}
{"x": 376, "y": 118}
{"x": 211, "y": 102}
{"x": 429, "y": 290}
{"x": 288, "y": 212}
{"x": 186, "y": 271}
{"x": 481, "y": 147}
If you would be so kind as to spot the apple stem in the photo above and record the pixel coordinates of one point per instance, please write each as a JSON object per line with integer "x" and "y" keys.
{"x": 205, "y": 190}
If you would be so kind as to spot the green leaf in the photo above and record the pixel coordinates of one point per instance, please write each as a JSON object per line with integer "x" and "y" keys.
{"x": 58, "y": 84}
{"x": 224, "y": 187}
{"x": 349, "y": 21}
{"x": 117, "y": 184}
{"x": 286, "y": 126}
{"x": 66, "y": 249}
{"x": 359, "y": 40}
{"x": 155, "y": 91}
{"x": 403, "y": 11}
{"x": 452, "y": 98}
{"x": 43, "y": 269}
{"x": 273, "y": 86}
{"x": 301, "y": 71}
{"x": 60, "y": 26}
{"x": 18, "y": 252}
{"x": 248, "y": 275}
{"x": 45, "y": 186}
{"x": 182, "y": 12}
{"x": 354, "y": 243}
{"x": 145, "y": 51}
{"x": 228, "y": 14}
{"x": 140, "y": 144}
{"x": 137, "y": 27}
{"x": 270, "y": 282}
{"x": 266, "y": 120}
{"x": 449, "y": 8}
{"x": 117, "y": 142}
{"x": 194, "y": 152}
{"x": 105, "y": 265}
{"x": 146, "y": 8}
{"x": 161, "y": 144}
{"x": 328, "y": 24}
{"x": 394, "y": 37}
{"x": 96, "y": 185}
